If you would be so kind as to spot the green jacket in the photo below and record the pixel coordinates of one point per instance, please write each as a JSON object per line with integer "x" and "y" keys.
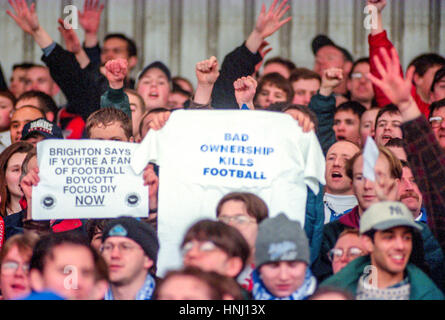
{"x": 118, "y": 99}
{"x": 324, "y": 107}
{"x": 422, "y": 287}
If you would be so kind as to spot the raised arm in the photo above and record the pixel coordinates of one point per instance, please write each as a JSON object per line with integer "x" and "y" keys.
{"x": 89, "y": 19}
{"x": 242, "y": 61}
{"x": 116, "y": 71}
{"x": 26, "y": 18}
{"x": 206, "y": 73}
{"x": 323, "y": 105}
{"x": 378, "y": 39}
{"x": 72, "y": 43}
{"x": 267, "y": 24}
{"x": 425, "y": 156}
{"x": 245, "y": 89}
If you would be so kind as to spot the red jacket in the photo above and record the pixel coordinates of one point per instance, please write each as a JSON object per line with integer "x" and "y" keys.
{"x": 381, "y": 41}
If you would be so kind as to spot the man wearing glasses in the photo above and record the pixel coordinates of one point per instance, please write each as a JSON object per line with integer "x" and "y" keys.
{"x": 347, "y": 248}
{"x": 215, "y": 246}
{"x": 436, "y": 119}
{"x": 130, "y": 248}
{"x": 358, "y": 84}
{"x": 14, "y": 271}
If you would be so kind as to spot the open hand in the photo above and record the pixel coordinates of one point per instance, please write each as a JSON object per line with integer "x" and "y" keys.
{"x": 269, "y": 22}
{"x": 89, "y": 19}
{"x": 392, "y": 83}
{"x": 25, "y": 17}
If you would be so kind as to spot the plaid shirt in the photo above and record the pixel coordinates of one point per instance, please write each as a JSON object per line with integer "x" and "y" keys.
{"x": 427, "y": 162}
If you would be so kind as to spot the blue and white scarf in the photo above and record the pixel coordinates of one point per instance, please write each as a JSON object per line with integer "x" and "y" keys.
{"x": 145, "y": 293}
{"x": 260, "y": 292}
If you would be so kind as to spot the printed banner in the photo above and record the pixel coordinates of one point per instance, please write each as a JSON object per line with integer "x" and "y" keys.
{"x": 81, "y": 179}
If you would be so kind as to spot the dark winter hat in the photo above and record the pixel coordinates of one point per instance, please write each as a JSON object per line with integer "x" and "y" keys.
{"x": 43, "y": 127}
{"x": 281, "y": 239}
{"x": 159, "y": 65}
{"x": 321, "y": 41}
{"x": 136, "y": 230}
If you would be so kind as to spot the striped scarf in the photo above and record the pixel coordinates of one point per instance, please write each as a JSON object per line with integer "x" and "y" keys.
{"x": 145, "y": 293}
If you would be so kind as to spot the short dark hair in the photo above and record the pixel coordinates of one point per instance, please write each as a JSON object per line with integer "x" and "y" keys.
{"x": 304, "y": 109}
{"x": 178, "y": 89}
{"x": 131, "y": 45}
{"x": 355, "y": 107}
{"x": 147, "y": 113}
{"x": 436, "y": 106}
{"x": 95, "y": 224}
{"x": 357, "y": 62}
{"x": 23, "y": 65}
{"x": 425, "y": 61}
{"x": 390, "y": 108}
{"x": 175, "y": 80}
{"x": 255, "y": 206}
{"x": 8, "y": 95}
{"x": 303, "y": 73}
{"x": 46, "y": 103}
{"x": 278, "y": 81}
{"x": 45, "y": 246}
{"x": 225, "y": 237}
{"x": 288, "y": 64}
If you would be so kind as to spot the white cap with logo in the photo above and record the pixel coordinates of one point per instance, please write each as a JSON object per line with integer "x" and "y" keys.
{"x": 386, "y": 215}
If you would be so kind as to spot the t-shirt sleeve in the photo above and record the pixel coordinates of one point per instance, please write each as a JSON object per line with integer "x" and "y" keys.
{"x": 148, "y": 151}
{"x": 314, "y": 161}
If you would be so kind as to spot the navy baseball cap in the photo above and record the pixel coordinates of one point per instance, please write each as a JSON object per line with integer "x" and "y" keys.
{"x": 43, "y": 127}
{"x": 321, "y": 41}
